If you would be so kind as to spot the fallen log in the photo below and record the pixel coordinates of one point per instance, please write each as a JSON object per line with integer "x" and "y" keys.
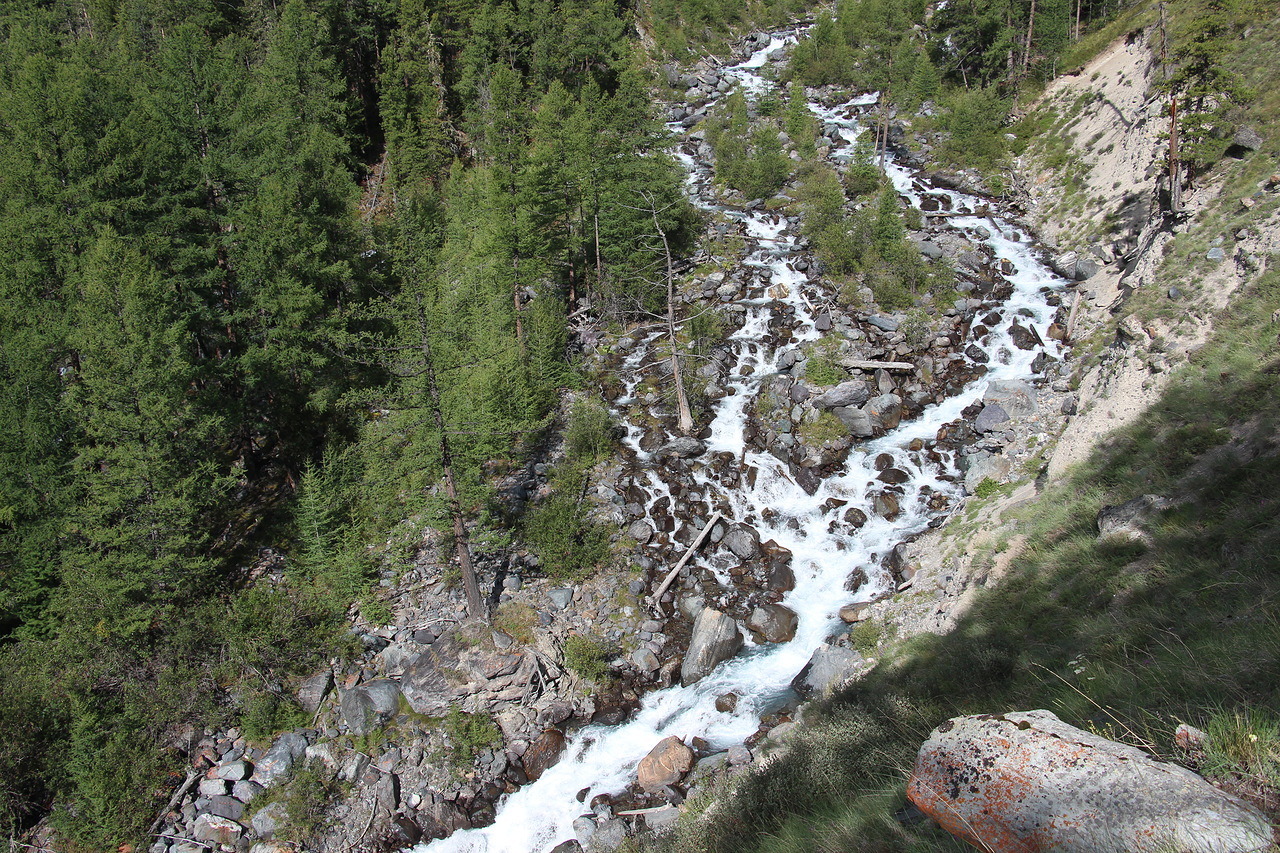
{"x": 656, "y": 603}
{"x": 859, "y": 364}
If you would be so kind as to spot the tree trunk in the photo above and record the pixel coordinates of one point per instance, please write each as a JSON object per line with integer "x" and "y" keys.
{"x": 1031, "y": 26}
{"x": 682, "y": 401}
{"x": 470, "y": 586}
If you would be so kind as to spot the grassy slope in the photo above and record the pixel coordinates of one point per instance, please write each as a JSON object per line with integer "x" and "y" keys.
{"x": 1126, "y": 640}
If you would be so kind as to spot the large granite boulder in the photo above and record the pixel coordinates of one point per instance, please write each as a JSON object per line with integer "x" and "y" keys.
{"x": 665, "y": 764}
{"x": 827, "y": 669}
{"x": 430, "y": 681}
{"x": 773, "y": 623}
{"x": 1026, "y": 781}
{"x": 852, "y": 393}
{"x": 716, "y": 638}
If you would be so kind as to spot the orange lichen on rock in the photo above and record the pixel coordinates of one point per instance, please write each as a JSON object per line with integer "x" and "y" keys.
{"x": 1027, "y": 782}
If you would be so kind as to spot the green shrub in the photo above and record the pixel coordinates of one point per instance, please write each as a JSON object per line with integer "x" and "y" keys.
{"x": 266, "y": 715}
{"x": 308, "y": 798}
{"x": 986, "y": 488}
{"x": 820, "y": 365}
{"x": 825, "y": 427}
{"x": 587, "y": 657}
{"x": 470, "y": 733}
{"x": 569, "y": 544}
{"x": 589, "y": 434}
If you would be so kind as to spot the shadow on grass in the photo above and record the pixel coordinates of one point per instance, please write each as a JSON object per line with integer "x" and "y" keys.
{"x": 1124, "y": 639}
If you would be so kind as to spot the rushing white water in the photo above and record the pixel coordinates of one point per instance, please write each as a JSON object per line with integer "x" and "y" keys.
{"x": 603, "y": 759}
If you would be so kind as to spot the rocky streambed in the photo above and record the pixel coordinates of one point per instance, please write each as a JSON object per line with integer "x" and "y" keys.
{"x": 799, "y": 495}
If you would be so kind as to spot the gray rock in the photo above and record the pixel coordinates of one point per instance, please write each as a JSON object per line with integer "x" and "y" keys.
{"x": 852, "y": 393}
{"x": 641, "y": 531}
{"x": 1216, "y": 254}
{"x": 245, "y": 791}
{"x": 353, "y": 767}
{"x": 739, "y": 755}
{"x": 984, "y": 466}
{"x": 213, "y": 787}
{"x": 823, "y": 322}
{"x": 561, "y": 598}
{"x": 279, "y": 760}
{"x": 428, "y": 680}
{"x": 1126, "y": 521}
{"x": 214, "y": 829}
{"x": 646, "y": 660}
{"x": 268, "y": 820}
{"x": 1070, "y": 404}
{"x": 583, "y": 829}
{"x": 227, "y": 807}
{"x": 357, "y": 712}
{"x": 856, "y": 421}
{"x": 682, "y": 447}
{"x": 827, "y": 668}
{"x": 884, "y": 412}
{"x": 311, "y": 691}
{"x": 1028, "y": 781}
{"x": 716, "y": 638}
{"x": 608, "y": 836}
{"x": 233, "y": 771}
{"x": 930, "y": 250}
{"x": 1017, "y": 398}
{"x": 992, "y": 416}
{"x": 887, "y": 324}
{"x": 1248, "y": 139}
{"x": 773, "y": 623}
{"x": 662, "y": 819}
{"x": 743, "y": 541}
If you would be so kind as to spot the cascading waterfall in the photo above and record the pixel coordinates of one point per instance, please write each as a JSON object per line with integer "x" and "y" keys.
{"x": 603, "y": 759}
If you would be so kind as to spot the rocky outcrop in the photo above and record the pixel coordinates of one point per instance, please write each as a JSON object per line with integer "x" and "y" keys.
{"x": 716, "y": 638}
{"x": 1029, "y": 782}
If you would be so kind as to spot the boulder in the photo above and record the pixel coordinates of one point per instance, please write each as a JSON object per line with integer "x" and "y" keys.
{"x": 715, "y": 639}
{"x": 369, "y": 706}
{"x": 608, "y": 836}
{"x": 856, "y": 421}
{"x": 665, "y": 764}
{"x": 852, "y": 393}
{"x": 682, "y": 447}
{"x": 743, "y": 541}
{"x": 213, "y": 829}
{"x": 641, "y": 531}
{"x": 884, "y": 412}
{"x": 829, "y": 667}
{"x": 1247, "y": 139}
{"x": 268, "y": 819}
{"x": 543, "y": 753}
{"x": 993, "y": 416}
{"x": 773, "y": 623}
{"x": 886, "y": 324}
{"x": 1026, "y": 781}
{"x": 279, "y": 760}
{"x": 984, "y": 466}
{"x": 228, "y": 807}
{"x": 1016, "y": 397}
{"x": 311, "y": 691}
{"x": 1125, "y": 521}
{"x": 859, "y": 612}
{"x": 427, "y": 683}
{"x": 232, "y": 771}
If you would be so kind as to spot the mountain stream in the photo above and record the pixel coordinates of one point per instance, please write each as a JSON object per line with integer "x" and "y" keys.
{"x": 603, "y": 759}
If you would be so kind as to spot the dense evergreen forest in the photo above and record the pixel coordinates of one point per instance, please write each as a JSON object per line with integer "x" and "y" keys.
{"x": 276, "y": 276}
